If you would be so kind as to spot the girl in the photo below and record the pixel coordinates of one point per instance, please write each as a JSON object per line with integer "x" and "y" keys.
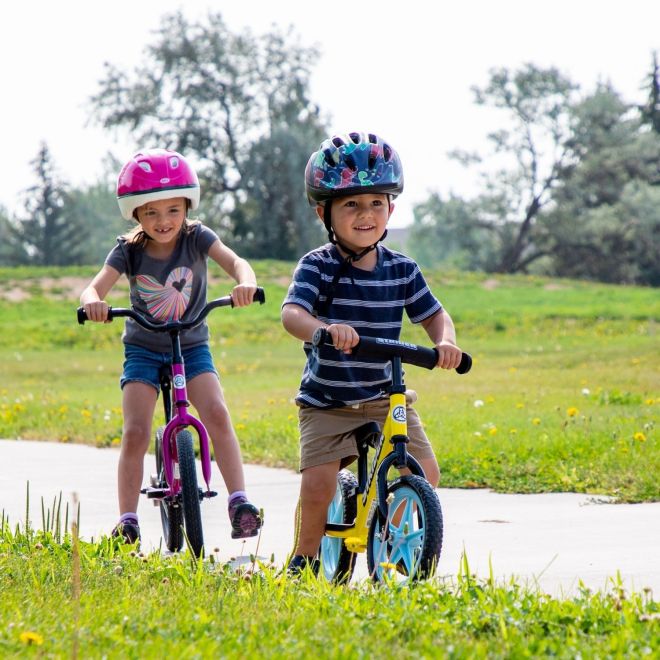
{"x": 164, "y": 258}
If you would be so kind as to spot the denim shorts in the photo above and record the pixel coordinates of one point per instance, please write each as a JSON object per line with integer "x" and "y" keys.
{"x": 143, "y": 366}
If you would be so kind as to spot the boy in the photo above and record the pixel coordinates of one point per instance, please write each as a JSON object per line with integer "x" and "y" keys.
{"x": 353, "y": 287}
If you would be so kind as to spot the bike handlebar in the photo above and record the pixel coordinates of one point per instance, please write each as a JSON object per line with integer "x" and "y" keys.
{"x": 259, "y": 296}
{"x": 373, "y": 347}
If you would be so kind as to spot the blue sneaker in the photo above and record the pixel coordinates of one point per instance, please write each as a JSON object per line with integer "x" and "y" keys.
{"x": 299, "y": 563}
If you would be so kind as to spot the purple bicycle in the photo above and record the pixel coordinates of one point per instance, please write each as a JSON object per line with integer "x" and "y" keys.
{"x": 174, "y": 487}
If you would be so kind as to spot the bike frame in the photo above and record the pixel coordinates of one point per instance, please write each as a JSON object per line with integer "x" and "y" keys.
{"x": 180, "y": 420}
{"x": 373, "y": 483}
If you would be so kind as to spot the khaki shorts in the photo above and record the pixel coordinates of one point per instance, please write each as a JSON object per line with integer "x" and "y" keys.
{"x": 328, "y": 434}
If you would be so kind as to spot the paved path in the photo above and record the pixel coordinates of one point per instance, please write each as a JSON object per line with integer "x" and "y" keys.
{"x": 553, "y": 540}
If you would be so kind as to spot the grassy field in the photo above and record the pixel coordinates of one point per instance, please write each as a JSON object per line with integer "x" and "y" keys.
{"x": 563, "y": 395}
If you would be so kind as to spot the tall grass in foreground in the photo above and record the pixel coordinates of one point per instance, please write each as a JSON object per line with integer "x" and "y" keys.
{"x": 61, "y": 596}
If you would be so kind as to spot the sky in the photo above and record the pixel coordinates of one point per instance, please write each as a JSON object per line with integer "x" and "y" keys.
{"x": 403, "y": 70}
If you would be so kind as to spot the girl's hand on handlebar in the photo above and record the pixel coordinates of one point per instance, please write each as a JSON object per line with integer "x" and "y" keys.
{"x": 97, "y": 311}
{"x": 449, "y": 355}
{"x": 243, "y": 295}
{"x": 343, "y": 336}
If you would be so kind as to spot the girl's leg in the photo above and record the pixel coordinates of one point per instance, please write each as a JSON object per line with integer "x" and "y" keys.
{"x": 206, "y": 395}
{"x": 317, "y": 488}
{"x": 139, "y": 402}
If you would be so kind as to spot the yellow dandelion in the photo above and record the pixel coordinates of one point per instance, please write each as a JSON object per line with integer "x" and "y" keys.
{"x": 86, "y": 413}
{"x": 490, "y": 399}
{"x": 639, "y": 436}
{"x": 271, "y": 402}
{"x": 492, "y": 430}
{"x": 572, "y": 411}
{"x": 536, "y": 421}
{"x": 649, "y": 402}
{"x": 388, "y": 566}
{"x": 512, "y": 370}
{"x": 520, "y": 405}
{"x": 240, "y": 427}
{"x": 513, "y": 431}
{"x": 28, "y": 637}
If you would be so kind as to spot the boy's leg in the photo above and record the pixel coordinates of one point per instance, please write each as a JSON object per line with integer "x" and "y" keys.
{"x": 317, "y": 488}
{"x": 139, "y": 402}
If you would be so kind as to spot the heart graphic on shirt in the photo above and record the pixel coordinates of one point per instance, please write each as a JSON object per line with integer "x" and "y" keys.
{"x": 166, "y": 302}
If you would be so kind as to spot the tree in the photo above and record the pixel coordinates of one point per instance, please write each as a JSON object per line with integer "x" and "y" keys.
{"x": 533, "y": 152}
{"x": 650, "y": 111}
{"x": 12, "y": 253}
{"x": 47, "y": 234}
{"x": 238, "y": 104}
{"x": 450, "y": 232}
{"x": 603, "y": 224}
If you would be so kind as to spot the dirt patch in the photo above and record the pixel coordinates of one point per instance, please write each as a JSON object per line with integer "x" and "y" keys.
{"x": 553, "y": 286}
{"x": 15, "y": 294}
{"x": 490, "y": 284}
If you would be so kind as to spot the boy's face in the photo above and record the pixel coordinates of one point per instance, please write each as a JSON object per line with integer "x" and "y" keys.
{"x": 359, "y": 221}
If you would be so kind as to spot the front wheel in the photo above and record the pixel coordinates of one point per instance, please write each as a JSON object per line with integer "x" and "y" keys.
{"x": 407, "y": 546}
{"x": 337, "y": 563}
{"x": 171, "y": 514}
{"x": 190, "y": 492}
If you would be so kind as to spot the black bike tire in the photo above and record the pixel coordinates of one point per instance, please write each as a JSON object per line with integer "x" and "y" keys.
{"x": 431, "y": 546}
{"x": 171, "y": 513}
{"x": 343, "y": 570}
{"x": 190, "y": 492}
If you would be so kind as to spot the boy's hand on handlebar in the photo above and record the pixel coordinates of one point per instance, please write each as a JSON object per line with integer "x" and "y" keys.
{"x": 344, "y": 337}
{"x": 449, "y": 355}
{"x": 243, "y": 295}
{"x": 97, "y": 311}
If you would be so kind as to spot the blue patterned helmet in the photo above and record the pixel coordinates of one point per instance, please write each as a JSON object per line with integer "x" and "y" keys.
{"x": 351, "y": 165}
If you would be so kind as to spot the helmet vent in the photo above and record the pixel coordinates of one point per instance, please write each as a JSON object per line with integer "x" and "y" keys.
{"x": 355, "y": 137}
{"x": 328, "y": 157}
{"x": 373, "y": 138}
{"x": 145, "y": 166}
{"x": 338, "y": 142}
{"x": 350, "y": 161}
{"x": 387, "y": 152}
{"x": 174, "y": 161}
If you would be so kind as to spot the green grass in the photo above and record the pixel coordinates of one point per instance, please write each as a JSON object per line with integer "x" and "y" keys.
{"x": 563, "y": 395}
{"x": 157, "y": 606}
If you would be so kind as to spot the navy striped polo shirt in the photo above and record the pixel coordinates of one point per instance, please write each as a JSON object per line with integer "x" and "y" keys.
{"x": 372, "y": 302}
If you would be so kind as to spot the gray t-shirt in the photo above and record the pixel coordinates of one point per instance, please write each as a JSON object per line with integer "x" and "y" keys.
{"x": 166, "y": 290}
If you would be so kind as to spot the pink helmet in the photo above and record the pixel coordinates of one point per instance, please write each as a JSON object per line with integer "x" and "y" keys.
{"x": 155, "y": 174}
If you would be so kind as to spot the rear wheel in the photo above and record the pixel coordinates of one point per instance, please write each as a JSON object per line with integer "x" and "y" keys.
{"x": 411, "y": 547}
{"x": 337, "y": 563}
{"x": 171, "y": 514}
{"x": 190, "y": 495}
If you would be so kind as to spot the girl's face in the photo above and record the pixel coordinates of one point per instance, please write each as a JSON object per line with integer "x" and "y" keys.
{"x": 359, "y": 220}
{"x": 162, "y": 220}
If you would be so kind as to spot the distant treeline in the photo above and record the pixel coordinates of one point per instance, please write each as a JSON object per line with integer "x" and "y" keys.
{"x": 576, "y": 193}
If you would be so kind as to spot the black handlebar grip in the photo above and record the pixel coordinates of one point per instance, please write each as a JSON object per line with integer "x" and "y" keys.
{"x": 259, "y": 296}
{"x": 82, "y": 316}
{"x": 465, "y": 365}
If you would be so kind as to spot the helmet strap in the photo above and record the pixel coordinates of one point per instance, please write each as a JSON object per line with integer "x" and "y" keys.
{"x": 347, "y": 261}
